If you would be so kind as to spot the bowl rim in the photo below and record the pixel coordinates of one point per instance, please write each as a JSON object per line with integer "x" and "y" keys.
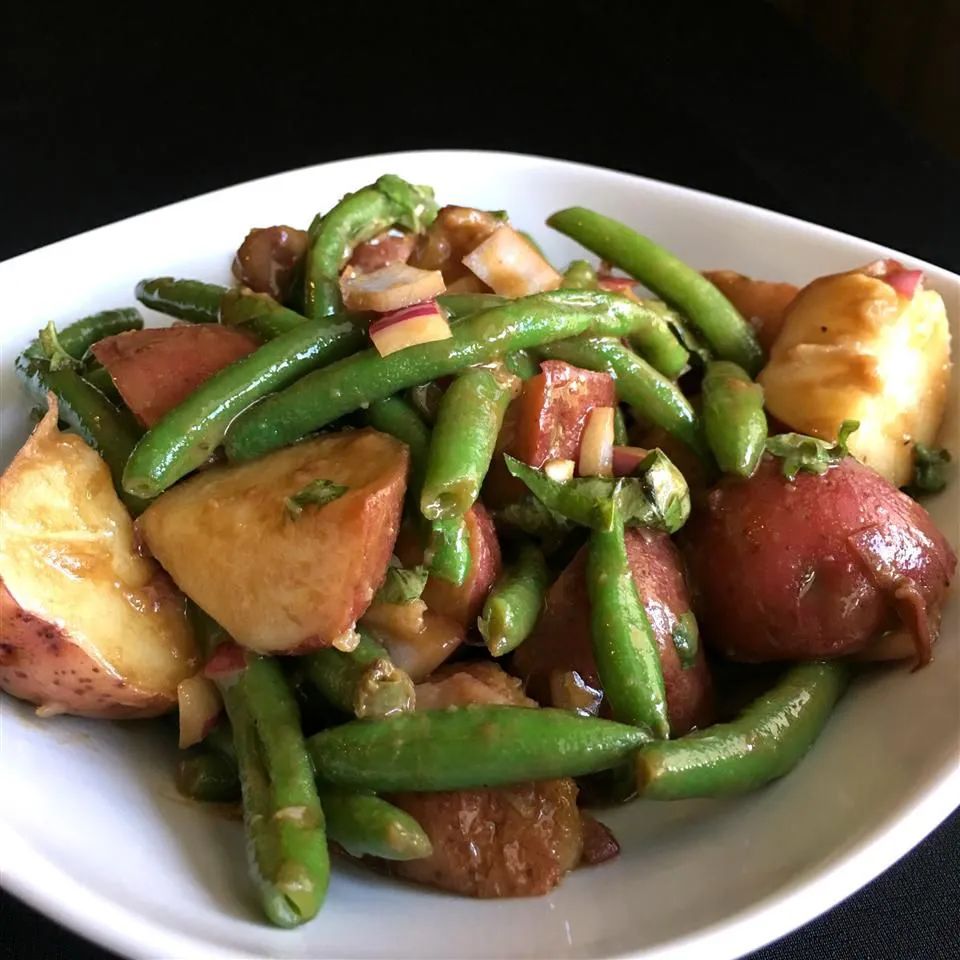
{"x": 40, "y": 883}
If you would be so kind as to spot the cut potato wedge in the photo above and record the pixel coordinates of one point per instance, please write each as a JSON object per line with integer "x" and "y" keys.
{"x": 88, "y": 626}
{"x": 282, "y": 581}
{"x": 851, "y": 348}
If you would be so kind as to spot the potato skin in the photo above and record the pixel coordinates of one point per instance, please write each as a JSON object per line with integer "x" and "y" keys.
{"x": 157, "y": 368}
{"x": 509, "y": 842}
{"x": 40, "y": 663}
{"x": 814, "y": 568}
{"x": 561, "y": 640}
{"x": 514, "y": 841}
{"x": 87, "y": 625}
{"x": 279, "y": 584}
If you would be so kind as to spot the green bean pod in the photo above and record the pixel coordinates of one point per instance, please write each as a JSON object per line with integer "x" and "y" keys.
{"x": 624, "y": 646}
{"x": 733, "y": 419}
{"x": 259, "y": 313}
{"x": 111, "y": 431}
{"x": 765, "y": 742}
{"x": 620, "y": 436}
{"x": 99, "y": 377}
{"x": 468, "y": 423}
{"x": 367, "y": 826}
{"x": 325, "y": 395}
{"x": 191, "y": 300}
{"x": 78, "y": 337}
{"x": 658, "y": 399}
{"x": 660, "y": 347}
{"x": 186, "y": 436}
{"x": 580, "y": 275}
{"x": 513, "y": 606}
{"x": 363, "y": 682}
{"x": 395, "y": 416}
{"x": 356, "y": 218}
{"x": 209, "y": 777}
{"x": 464, "y": 747}
{"x": 730, "y": 336}
{"x": 448, "y": 553}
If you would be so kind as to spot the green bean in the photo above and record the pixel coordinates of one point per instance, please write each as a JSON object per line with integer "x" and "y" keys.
{"x": 367, "y": 826}
{"x": 660, "y": 347}
{"x": 325, "y": 395}
{"x": 258, "y": 313}
{"x": 513, "y": 605}
{"x": 425, "y": 399}
{"x": 186, "y": 436}
{"x": 363, "y": 682}
{"x": 620, "y": 437}
{"x": 460, "y": 305}
{"x": 468, "y": 423}
{"x": 448, "y": 554}
{"x": 463, "y": 747}
{"x": 624, "y": 646}
{"x": 112, "y": 432}
{"x": 638, "y": 384}
{"x": 208, "y": 776}
{"x": 580, "y": 275}
{"x": 395, "y": 416}
{"x": 356, "y": 218}
{"x": 100, "y": 378}
{"x": 78, "y": 337}
{"x": 282, "y": 813}
{"x": 733, "y": 419}
{"x": 190, "y": 300}
{"x": 667, "y": 276}
{"x": 521, "y": 364}
{"x": 766, "y": 741}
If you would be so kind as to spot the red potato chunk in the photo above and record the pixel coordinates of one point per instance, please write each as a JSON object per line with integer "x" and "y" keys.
{"x": 816, "y": 567}
{"x": 277, "y": 582}
{"x": 561, "y": 641}
{"x": 506, "y": 842}
{"x": 546, "y": 422}
{"x": 87, "y": 625}
{"x": 156, "y": 369}
{"x": 269, "y": 258}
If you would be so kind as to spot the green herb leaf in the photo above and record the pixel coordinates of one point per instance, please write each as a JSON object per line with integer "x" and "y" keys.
{"x": 317, "y": 493}
{"x": 931, "y": 468}
{"x": 686, "y": 638}
{"x": 655, "y": 496}
{"x": 402, "y": 584}
{"x": 531, "y": 517}
{"x": 49, "y": 342}
{"x": 417, "y": 208}
{"x": 810, "y": 454}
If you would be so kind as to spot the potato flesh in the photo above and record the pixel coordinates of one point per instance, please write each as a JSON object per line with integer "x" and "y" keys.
{"x": 852, "y": 349}
{"x": 274, "y": 582}
{"x": 69, "y": 562}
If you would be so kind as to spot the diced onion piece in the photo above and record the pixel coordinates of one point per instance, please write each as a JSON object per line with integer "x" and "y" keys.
{"x": 347, "y": 642}
{"x": 226, "y": 661}
{"x": 622, "y": 285}
{"x": 627, "y": 459}
{"x": 905, "y": 282}
{"x": 200, "y": 706}
{"x": 559, "y": 469}
{"x": 507, "y": 263}
{"x": 389, "y": 288}
{"x": 421, "y": 323}
{"x": 880, "y": 268}
{"x": 596, "y": 444}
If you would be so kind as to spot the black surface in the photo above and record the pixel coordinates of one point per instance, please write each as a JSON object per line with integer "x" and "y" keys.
{"x": 103, "y": 118}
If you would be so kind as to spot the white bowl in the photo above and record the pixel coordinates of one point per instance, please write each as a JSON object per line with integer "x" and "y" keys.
{"x": 91, "y": 828}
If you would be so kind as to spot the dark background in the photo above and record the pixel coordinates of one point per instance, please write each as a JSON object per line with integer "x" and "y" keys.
{"x": 842, "y": 112}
